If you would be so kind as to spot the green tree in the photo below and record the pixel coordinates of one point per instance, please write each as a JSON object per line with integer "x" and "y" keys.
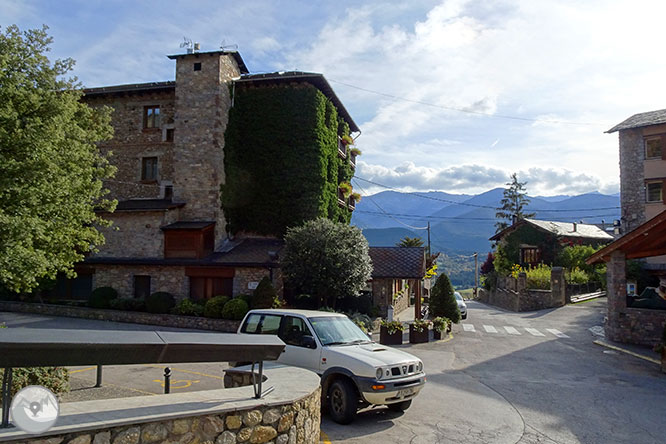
{"x": 442, "y": 301}
{"x": 410, "y": 242}
{"x": 265, "y": 296}
{"x": 513, "y": 204}
{"x": 51, "y": 171}
{"x": 326, "y": 259}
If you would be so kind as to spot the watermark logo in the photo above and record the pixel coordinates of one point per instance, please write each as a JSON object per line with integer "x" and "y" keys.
{"x": 34, "y": 409}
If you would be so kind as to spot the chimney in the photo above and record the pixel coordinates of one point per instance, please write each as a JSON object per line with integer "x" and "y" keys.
{"x": 197, "y": 47}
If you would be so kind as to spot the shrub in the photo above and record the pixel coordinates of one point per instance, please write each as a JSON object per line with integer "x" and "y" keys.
{"x": 128, "y": 304}
{"x": 101, "y": 297}
{"x": 160, "y": 302}
{"x": 392, "y": 326}
{"x": 247, "y": 298}
{"x": 577, "y": 276}
{"x": 235, "y": 309}
{"x": 187, "y": 307}
{"x": 442, "y": 300}
{"x": 538, "y": 277}
{"x": 214, "y": 306}
{"x": 420, "y": 325}
{"x": 55, "y": 379}
{"x": 265, "y": 296}
{"x": 305, "y": 301}
{"x": 440, "y": 323}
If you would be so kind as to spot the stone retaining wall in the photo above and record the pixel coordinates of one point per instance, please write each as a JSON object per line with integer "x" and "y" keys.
{"x": 513, "y": 294}
{"x": 135, "y": 317}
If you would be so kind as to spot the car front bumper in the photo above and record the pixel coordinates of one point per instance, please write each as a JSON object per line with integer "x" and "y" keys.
{"x": 390, "y": 391}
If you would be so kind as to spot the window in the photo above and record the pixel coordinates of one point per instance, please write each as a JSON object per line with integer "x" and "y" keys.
{"x": 529, "y": 256}
{"x": 202, "y": 288}
{"x": 262, "y": 324}
{"x": 293, "y": 331}
{"x": 653, "y": 147}
{"x": 197, "y": 66}
{"x": 653, "y": 192}
{"x": 168, "y": 192}
{"x": 169, "y": 135}
{"x": 141, "y": 286}
{"x": 151, "y": 116}
{"x": 149, "y": 168}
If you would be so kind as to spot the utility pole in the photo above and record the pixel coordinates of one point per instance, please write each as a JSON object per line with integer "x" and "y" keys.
{"x": 428, "y": 238}
{"x": 476, "y": 274}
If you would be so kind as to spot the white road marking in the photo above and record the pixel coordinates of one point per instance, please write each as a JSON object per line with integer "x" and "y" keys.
{"x": 490, "y": 329}
{"x": 511, "y": 330}
{"x": 556, "y": 332}
{"x": 534, "y": 331}
{"x": 468, "y": 327}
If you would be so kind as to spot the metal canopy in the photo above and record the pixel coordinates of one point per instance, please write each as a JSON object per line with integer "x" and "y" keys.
{"x": 26, "y": 347}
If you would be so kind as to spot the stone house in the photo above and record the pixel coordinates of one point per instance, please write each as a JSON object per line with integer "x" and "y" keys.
{"x": 170, "y": 232}
{"x": 529, "y": 242}
{"x": 397, "y": 277}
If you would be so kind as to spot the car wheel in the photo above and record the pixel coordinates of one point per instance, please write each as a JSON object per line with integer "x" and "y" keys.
{"x": 400, "y": 406}
{"x": 342, "y": 401}
{"x": 464, "y": 316}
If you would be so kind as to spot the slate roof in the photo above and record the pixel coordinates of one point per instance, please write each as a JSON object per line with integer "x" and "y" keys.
{"x": 640, "y": 120}
{"x": 560, "y": 229}
{"x": 131, "y": 87}
{"x": 235, "y": 54}
{"x": 397, "y": 262}
{"x": 196, "y": 225}
{"x": 316, "y": 79}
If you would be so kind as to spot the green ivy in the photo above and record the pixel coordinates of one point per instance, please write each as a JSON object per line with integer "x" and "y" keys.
{"x": 281, "y": 160}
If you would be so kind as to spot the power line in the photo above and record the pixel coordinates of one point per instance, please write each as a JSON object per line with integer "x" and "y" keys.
{"x": 463, "y": 110}
{"x": 385, "y": 213}
{"x": 460, "y": 218}
{"x": 478, "y": 206}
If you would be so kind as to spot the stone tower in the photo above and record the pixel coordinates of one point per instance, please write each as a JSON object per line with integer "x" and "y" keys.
{"x": 203, "y": 99}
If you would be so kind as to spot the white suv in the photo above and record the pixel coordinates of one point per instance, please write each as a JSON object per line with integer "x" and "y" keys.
{"x": 355, "y": 371}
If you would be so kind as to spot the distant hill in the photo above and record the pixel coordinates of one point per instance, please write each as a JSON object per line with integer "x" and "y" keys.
{"x": 461, "y": 224}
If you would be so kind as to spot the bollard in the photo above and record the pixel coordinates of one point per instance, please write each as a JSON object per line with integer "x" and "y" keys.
{"x": 389, "y": 314}
{"x": 167, "y": 380}
{"x": 99, "y": 376}
{"x": 6, "y": 396}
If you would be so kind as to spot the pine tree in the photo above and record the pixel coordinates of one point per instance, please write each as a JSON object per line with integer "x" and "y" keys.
{"x": 442, "y": 300}
{"x": 410, "y": 242}
{"x": 513, "y": 204}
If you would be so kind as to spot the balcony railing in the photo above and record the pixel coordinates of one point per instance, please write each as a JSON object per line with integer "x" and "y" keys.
{"x": 342, "y": 201}
{"x": 342, "y": 149}
{"x": 352, "y": 159}
{"x": 351, "y": 203}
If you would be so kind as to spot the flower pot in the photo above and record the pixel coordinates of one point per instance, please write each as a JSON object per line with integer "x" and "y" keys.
{"x": 417, "y": 337}
{"x": 389, "y": 339}
{"x": 436, "y": 335}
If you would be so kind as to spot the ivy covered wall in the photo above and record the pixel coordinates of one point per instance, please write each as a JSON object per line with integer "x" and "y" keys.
{"x": 281, "y": 159}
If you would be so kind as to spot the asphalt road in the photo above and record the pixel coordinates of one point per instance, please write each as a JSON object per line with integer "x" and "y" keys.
{"x": 498, "y": 385}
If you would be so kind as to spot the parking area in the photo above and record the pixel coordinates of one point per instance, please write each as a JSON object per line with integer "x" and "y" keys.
{"x": 123, "y": 380}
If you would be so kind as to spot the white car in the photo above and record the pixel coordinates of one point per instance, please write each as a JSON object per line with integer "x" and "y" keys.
{"x": 355, "y": 371}
{"x": 461, "y": 305}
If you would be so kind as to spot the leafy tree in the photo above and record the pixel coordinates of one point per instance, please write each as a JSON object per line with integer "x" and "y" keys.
{"x": 265, "y": 296}
{"x": 513, "y": 204}
{"x": 574, "y": 256}
{"x": 326, "y": 259}
{"x": 410, "y": 242}
{"x": 51, "y": 171}
{"x": 488, "y": 266}
{"x": 442, "y": 301}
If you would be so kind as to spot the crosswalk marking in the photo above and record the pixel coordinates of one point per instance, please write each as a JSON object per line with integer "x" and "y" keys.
{"x": 534, "y": 331}
{"x": 468, "y": 327}
{"x": 511, "y": 330}
{"x": 556, "y": 332}
{"x": 490, "y": 329}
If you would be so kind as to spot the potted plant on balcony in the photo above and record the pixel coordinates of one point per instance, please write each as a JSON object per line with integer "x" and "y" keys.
{"x": 346, "y": 189}
{"x": 390, "y": 332}
{"x": 346, "y": 140}
{"x": 661, "y": 348}
{"x": 355, "y": 152}
{"x": 440, "y": 325}
{"x": 418, "y": 331}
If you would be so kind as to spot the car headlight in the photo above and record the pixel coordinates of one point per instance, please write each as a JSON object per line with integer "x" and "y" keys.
{"x": 379, "y": 373}
{"x": 420, "y": 366}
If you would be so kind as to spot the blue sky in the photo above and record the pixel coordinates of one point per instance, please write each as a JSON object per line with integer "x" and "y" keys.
{"x": 571, "y": 69}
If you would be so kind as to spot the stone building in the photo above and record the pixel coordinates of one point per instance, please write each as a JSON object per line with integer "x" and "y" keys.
{"x": 169, "y": 230}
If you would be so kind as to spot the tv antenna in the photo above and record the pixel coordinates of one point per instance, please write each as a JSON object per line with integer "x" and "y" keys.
{"x": 191, "y": 47}
{"x": 225, "y": 47}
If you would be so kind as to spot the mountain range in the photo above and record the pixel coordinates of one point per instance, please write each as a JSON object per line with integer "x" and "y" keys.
{"x": 461, "y": 224}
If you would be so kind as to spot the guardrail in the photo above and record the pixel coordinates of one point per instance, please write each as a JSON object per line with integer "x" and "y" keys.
{"x": 25, "y": 347}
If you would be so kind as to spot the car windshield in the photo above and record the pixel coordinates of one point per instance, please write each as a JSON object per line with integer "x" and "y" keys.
{"x": 460, "y": 298}
{"x": 338, "y": 330}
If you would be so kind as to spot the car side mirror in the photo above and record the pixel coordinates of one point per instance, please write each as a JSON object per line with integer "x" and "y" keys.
{"x": 308, "y": 341}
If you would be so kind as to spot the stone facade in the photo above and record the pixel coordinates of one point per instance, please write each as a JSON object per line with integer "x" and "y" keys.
{"x": 513, "y": 294}
{"x": 632, "y": 182}
{"x": 626, "y": 324}
{"x": 135, "y": 234}
{"x": 245, "y": 277}
{"x": 166, "y": 320}
{"x": 162, "y": 278}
